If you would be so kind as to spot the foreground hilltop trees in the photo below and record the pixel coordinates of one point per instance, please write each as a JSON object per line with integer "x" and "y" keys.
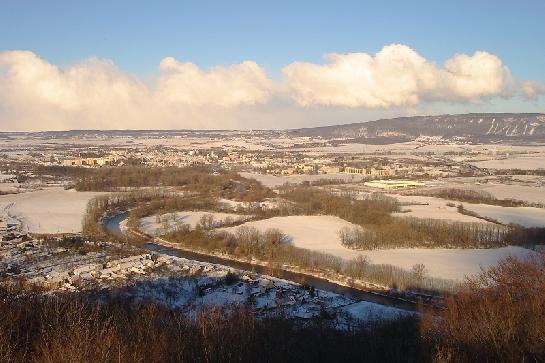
{"x": 498, "y": 316}
{"x": 42, "y": 328}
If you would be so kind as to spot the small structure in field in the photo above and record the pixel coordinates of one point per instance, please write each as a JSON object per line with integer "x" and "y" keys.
{"x": 393, "y": 184}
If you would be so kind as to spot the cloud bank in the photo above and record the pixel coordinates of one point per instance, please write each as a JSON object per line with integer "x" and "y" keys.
{"x": 234, "y": 85}
{"x": 396, "y": 76}
{"x": 38, "y": 95}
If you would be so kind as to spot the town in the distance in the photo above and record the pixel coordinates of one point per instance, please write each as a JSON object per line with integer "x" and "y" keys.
{"x": 346, "y": 224}
{"x": 272, "y": 181}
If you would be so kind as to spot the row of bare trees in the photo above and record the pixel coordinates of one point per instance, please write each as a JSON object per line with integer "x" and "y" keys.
{"x": 471, "y": 196}
{"x": 274, "y": 247}
{"x": 415, "y": 232}
{"x": 378, "y": 228}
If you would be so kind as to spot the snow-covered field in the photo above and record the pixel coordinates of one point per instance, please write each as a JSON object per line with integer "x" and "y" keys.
{"x": 521, "y": 162}
{"x": 437, "y": 208}
{"x": 164, "y": 223}
{"x": 406, "y": 148}
{"x": 446, "y": 263}
{"x": 51, "y": 210}
{"x": 272, "y": 181}
{"x": 9, "y": 187}
{"x": 367, "y": 311}
{"x": 531, "y": 194}
{"x": 526, "y": 190}
{"x": 432, "y": 208}
{"x": 269, "y": 203}
{"x": 319, "y": 233}
{"x": 4, "y": 177}
{"x": 525, "y": 216}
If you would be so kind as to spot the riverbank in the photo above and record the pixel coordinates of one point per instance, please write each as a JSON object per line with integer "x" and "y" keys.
{"x": 339, "y": 284}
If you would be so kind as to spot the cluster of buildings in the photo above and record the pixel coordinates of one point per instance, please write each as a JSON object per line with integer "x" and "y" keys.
{"x": 102, "y": 161}
{"x": 385, "y": 171}
{"x": 274, "y": 163}
{"x": 261, "y": 160}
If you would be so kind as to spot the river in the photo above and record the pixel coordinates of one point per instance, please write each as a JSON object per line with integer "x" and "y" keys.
{"x": 112, "y": 226}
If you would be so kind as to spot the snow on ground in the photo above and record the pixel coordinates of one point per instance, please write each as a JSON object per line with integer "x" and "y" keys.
{"x": 368, "y": 311}
{"x": 433, "y": 208}
{"x": 232, "y": 204}
{"x": 4, "y": 177}
{"x": 531, "y": 194}
{"x": 318, "y": 233}
{"x": 9, "y": 187}
{"x": 446, "y": 263}
{"x": 530, "y": 189}
{"x": 272, "y": 181}
{"x": 160, "y": 224}
{"x": 269, "y": 203}
{"x": 172, "y": 281}
{"x": 407, "y": 148}
{"x": 525, "y": 216}
{"x": 521, "y": 162}
{"x": 8, "y": 183}
{"x": 50, "y": 210}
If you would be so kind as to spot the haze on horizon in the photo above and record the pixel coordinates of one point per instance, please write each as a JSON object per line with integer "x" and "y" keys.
{"x": 240, "y": 65}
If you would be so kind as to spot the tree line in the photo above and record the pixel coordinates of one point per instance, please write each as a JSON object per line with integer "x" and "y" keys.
{"x": 274, "y": 248}
{"x": 378, "y": 228}
{"x": 77, "y": 328}
{"x": 472, "y": 196}
{"x": 203, "y": 180}
{"x": 417, "y": 232}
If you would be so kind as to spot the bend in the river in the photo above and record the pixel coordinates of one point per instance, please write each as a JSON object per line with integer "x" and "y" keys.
{"x": 112, "y": 226}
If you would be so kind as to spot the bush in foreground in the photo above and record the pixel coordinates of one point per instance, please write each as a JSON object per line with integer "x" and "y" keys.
{"x": 497, "y": 316}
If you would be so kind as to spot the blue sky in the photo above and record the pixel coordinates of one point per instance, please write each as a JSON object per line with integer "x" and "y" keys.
{"x": 137, "y": 35}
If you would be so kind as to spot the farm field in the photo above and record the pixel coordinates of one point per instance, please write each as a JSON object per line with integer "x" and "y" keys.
{"x": 452, "y": 264}
{"x": 432, "y": 208}
{"x": 319, "y": 233}
{"x": 530, "y": 194}
{"x": 50, "y": 210}
{"x": 522, "y": 162}
{"x": 525, "y": 216}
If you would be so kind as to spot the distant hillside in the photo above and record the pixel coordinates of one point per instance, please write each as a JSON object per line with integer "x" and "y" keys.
{"x": 478, "y": 127}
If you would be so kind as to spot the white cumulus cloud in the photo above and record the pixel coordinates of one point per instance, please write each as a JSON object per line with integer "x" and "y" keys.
{"x": 396, "y": 76}
{"x": 35, "y": 94}
{"x": 183, "y": 82}
{"x": 532, "y": 89}
{"x": 95, "y": 94}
